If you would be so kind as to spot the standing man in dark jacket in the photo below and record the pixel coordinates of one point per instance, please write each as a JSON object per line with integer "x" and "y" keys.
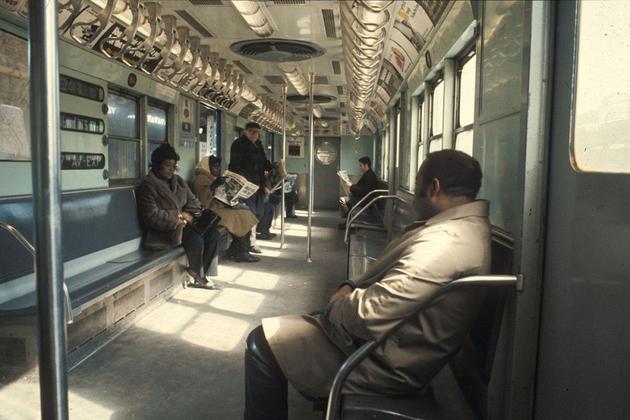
{"x": 248, "y": 158}
{"x": 367, "y": 183}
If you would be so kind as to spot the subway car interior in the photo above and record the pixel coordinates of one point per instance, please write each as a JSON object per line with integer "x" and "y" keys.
{"x": 118, "y": 300}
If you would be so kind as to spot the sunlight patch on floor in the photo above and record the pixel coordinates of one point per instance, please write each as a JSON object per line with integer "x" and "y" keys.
{"x": 239, "y": 301}
{"x": 171, "y": 317}
{"x": 257, "y": 280}
{"x": 82, "y": 408}
{"x": 216, "y": 332}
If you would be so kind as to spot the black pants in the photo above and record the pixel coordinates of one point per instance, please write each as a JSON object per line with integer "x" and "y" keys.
{"x": 266, "y": 388}
{"x": 202, "y": 251}
{"x": 265, "y": 221}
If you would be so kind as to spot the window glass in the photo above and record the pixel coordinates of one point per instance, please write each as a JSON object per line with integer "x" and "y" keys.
{"x": 122, "y": 116}
{"x": 156, "y": 124}
{"x": 124, "y": 159}
{"x": 437, "y": 109}
{"x": 601, "y": 132}
{"x": 435, "y": 145}
{"x": 420, "y": 131}
{"x": 420, "y": 154}
{"x": 464, "y": 142}
{"x": 467, "y": 93}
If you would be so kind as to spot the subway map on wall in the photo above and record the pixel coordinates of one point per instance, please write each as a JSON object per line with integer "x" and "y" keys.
{"x": 14, "y": 133}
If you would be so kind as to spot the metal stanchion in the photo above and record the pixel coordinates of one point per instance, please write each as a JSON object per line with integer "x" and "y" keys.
{"x": 311, "y": 165}
{"x": 44, "y": 109}
{"x": 284, "y": 159}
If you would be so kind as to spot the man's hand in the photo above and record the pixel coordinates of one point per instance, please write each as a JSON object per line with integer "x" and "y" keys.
{"x": 187, "y": 216}
{"x": 267, "y": 191}
{"x": 343, "y": 291}
{"x": 349, "y": 184}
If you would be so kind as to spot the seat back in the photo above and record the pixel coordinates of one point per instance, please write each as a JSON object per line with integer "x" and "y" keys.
{"x": 377, "y": 211}
{"x": 91, "y": 221}
{"x": 472, "y": 365}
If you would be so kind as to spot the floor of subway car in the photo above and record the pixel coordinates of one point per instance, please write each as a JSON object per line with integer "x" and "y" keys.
{"x": 184, "y": 358}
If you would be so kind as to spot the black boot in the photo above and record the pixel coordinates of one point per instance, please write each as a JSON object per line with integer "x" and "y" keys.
{"x": 242, "y": 250}
{"x": 233, "y": 248}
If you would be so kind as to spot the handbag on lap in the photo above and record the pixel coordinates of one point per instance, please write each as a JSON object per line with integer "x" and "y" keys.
{"x": 204, "y": 221}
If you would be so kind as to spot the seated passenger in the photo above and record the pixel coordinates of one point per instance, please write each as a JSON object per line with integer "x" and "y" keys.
{"x": 307, "y": 350}
{"x": 238, "y": 221}
{"x": 366, "y": 184}
{"x": 166, "y": 207}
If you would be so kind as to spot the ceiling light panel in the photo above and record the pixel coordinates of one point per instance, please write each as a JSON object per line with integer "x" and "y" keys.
{"x": 255, "y": 15}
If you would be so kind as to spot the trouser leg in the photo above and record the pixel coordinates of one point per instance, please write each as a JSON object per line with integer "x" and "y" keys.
{"x": 193, "y": 244}
{"x": 211, "y": 252}
{"x": 265, "y": 222}
{"x": 266, "y": 388}
{"x": 252, "y": 236}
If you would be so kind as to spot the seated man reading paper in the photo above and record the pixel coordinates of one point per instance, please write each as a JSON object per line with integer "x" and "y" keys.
{"x": 451, "y": 241}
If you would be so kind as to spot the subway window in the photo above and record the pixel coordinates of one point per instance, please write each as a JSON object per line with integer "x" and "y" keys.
{"x": 157, "y": 125}
{"x": 420, "y": 130}
{"x": 123, "y": 137}
{"x": 437, "y": 115}
{"x": 465, "y": 102}
{"x": 601, "y": 121}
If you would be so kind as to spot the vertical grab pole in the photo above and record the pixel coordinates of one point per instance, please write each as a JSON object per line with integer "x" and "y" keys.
{"x": 44, "y": 108}
{"x": 284, "y": 159}
{"x": 311, "y": 164}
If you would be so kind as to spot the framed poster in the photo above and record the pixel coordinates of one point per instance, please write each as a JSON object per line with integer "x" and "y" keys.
{"x": 15, "y": 143}
{"x": 295, "y": 147}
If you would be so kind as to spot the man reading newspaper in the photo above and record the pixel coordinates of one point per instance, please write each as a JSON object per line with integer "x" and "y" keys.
{"x": 366, "y": 184}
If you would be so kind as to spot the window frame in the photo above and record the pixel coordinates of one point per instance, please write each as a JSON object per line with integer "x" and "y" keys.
{"x": 464, "y": 58}
{"x": 112, "y": 89}
{"x": 439, "y": 78}
{"x": 420, "y": 141}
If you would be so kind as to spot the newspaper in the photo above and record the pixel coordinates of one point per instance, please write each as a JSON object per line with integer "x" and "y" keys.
{"x": 277, "y": 175}
{"x": 235, "y": 188}
{"x": 289, "y": 184}
{"x": 343, "y": 175}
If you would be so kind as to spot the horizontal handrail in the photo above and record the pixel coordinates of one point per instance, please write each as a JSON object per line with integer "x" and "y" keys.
{"x": 363, "y": 209}
{"x": 30, "y": 248}
{"x": 334, "y": 397}
{"x": 357, "y": 206}
{"x": 19, "y": 237}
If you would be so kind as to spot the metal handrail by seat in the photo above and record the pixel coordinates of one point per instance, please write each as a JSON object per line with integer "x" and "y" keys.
{"x": 333, "y": 408}
{"x": 351, "y": 220}
{"x": 357, "y": 206}
{"x": 361, "y": 210}
{"x": 31, "y": 249}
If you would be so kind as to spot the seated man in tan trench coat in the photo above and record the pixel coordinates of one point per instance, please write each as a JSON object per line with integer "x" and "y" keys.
{"x": 452, "y": 242}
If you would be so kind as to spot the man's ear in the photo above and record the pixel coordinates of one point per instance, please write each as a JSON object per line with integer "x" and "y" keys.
{"x": 435, "y": 186}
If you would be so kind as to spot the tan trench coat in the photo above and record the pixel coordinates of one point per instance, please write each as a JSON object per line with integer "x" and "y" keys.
{"x": 453, "y": 244}
{"x": 159, "y": 204}
{"x": 239, "y": 222}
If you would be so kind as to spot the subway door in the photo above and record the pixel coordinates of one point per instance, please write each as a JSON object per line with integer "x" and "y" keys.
{"x": 327, "y": 161}
{"x": 584, "y": 350}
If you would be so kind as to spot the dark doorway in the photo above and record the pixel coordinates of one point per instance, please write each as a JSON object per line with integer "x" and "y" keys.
{"x": 327, "y": 163}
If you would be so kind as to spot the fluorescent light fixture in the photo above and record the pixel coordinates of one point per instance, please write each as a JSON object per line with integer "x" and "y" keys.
{"x": 255, "y": 15}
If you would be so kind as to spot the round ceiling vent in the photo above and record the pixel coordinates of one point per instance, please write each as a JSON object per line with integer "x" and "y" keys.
{"x": 317, "y": 99}
{"x": 277, "y": 50}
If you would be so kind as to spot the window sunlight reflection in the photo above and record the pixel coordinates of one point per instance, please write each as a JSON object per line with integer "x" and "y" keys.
{"x": 239, "y": 301}
{"x": 216, "y": 332}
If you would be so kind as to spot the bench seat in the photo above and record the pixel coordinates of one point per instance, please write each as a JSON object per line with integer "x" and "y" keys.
{"x": 98, "y": 281}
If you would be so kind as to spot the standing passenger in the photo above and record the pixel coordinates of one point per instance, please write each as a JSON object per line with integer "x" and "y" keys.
{"x": 451, "y": 241}
{"x": 247, "y": 158}
{"x": 166, "y": 207}
{"x": 367, "y": 183}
